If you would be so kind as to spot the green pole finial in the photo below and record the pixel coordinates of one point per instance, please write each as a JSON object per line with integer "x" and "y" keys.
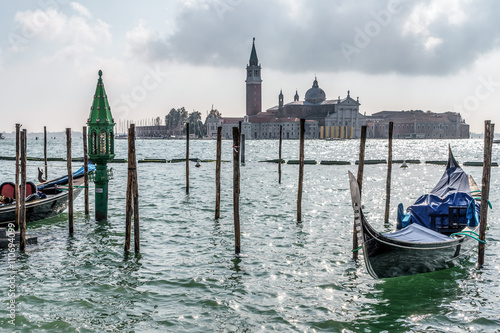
{"x": 100, "y": 73}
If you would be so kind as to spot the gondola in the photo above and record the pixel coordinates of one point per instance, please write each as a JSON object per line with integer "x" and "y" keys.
{"x": 44, "y": 200}
{"x": 435, "y": 232}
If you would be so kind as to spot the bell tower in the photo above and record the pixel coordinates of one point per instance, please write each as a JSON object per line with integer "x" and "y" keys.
{"x": 254, "y": 83}
{"x": 280, "y": 101}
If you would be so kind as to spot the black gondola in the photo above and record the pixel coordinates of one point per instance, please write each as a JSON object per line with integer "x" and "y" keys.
{"x": 439, "y": 228}
{"x": 46, "y": 200}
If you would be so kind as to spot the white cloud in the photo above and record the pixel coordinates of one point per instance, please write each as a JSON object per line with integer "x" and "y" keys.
{"x": 72, "y": 37}
{"x": 80, "y": 9}
{"x": 144, "y": 43}
{"x": 424, "y": 37}
{"x": 423, "y": 16}
{"x": 432, "y": 42}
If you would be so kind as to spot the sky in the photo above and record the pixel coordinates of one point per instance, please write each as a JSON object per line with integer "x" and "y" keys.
{"x": 438, "y": 55}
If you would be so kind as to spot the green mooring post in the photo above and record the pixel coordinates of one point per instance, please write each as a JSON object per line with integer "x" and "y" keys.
{"x": 101, "y": 147}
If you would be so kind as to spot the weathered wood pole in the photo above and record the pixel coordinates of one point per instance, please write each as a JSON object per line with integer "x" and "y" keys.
{"x": 489, "y": 130}
{"x": 361, "y": 165}
{"x": 217, "y": 173}
{"x": 389, "y": 172}
{"x": 132, "y": 198}
{"x": 242, "y": 149}
{"x": 242, "y": 157}
{"x": 279, "y": 154}
{"x": 45, "y": 151}
{"x": 135, "y": 193}
{"x": 22, "y": 195}
{"x": 301, "y": 169}
{"x": 128, "y": 201}
{"x": 187, "y": 158}
{"x": 70, "y": 181}
{"x": 86, "y": 171}
{"x": 236, "y": 188}
{"x": 16, "y": 191}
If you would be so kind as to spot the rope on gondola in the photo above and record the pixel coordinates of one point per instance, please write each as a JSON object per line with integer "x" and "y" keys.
{"x": 477, "y": 198}
{"x": 467, "y": 234}
{"x": 65, "y": 188}
{"x": 359, "y": 248}
{"x": 489, "y": 203}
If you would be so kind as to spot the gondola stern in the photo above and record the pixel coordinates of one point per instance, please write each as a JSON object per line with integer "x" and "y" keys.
{"x": 452, "y": 162}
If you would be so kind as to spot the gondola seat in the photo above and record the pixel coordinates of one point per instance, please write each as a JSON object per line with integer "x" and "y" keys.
{"x": 7, "y": 190}
{"x": 454, "y": 221}
{"x": 30, "y": 188}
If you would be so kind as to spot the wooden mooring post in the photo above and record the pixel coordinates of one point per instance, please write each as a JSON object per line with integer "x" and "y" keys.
{"x": 389, "y": 172}
{"x": 301, "y": 169}
{"x": 489, "y": 130}
{"x": 85, "y": 171}
{"x": 132, "y": 197}
{"x": 18, "y": 165}
{"x": 279, "y": 154}
{"x": 70, "y": 181}
{"x": 361, "y": 166}
{"x": 242, "y": 149}
{"x": 45, "y": 152}
{"x": 236, "y": 189}
{"x": 217, "y": 172}
{"x": 22, "y": 193}
{"x": 187, "y": 158}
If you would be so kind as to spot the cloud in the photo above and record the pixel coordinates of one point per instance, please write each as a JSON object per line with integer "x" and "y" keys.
{"x": 411, "y": 37}
{"x": 144, "y": 43}
{"x": 83, "y": 11}
{"x": 64, "y": 38}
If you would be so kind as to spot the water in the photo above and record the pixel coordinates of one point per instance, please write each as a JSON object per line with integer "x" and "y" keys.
{"x": 292, "y": 277}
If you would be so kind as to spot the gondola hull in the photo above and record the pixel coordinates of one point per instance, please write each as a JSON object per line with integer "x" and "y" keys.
{"x": 385, "y": 257}
{"x": 39, "y": 209}
{"x": 55, "y": 202}
{"x": 436, "y": 232}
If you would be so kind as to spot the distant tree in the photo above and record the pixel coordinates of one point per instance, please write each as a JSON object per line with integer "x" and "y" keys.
{"x": 175, "y": 121}
{"x": 196, "y": 125}
{"x": 214, "y": 113}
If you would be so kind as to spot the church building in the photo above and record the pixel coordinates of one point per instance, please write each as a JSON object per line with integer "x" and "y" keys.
{"x": 335, "y": 118}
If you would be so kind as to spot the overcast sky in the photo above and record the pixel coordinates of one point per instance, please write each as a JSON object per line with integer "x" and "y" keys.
{"x": 438, "y": 55}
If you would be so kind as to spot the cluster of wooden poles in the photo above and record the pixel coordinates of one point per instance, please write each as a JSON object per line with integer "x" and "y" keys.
{"x": 485, "y": 185}
{"x": 239, "y": 157}
{"x": 132, "y": 202}
{"x": 20, "y": 181}
{"x": 132, "y": 187}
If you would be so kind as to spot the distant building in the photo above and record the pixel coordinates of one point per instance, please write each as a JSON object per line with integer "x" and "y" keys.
{"x": 154, "y": 131}
{"x": 339, "y": 118}
{"x": 335, "y": 118}
{"x": 417, "y": 125}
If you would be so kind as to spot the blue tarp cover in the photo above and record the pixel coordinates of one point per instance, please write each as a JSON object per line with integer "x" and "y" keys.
{"x": 451, "y": 190}
{"x": 417, "y": 233}
{"x": 64, "y": 180}
{"x": 430, "y": 204}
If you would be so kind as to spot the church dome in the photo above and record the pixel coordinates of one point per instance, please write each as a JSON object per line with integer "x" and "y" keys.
{"x": 315, "y": 94}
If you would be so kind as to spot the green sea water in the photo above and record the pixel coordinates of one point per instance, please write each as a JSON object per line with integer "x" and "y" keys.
{"x": 291, "y": 277}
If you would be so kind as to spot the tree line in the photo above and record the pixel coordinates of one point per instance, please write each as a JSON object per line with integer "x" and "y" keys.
{"x": 176, "y": 120}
